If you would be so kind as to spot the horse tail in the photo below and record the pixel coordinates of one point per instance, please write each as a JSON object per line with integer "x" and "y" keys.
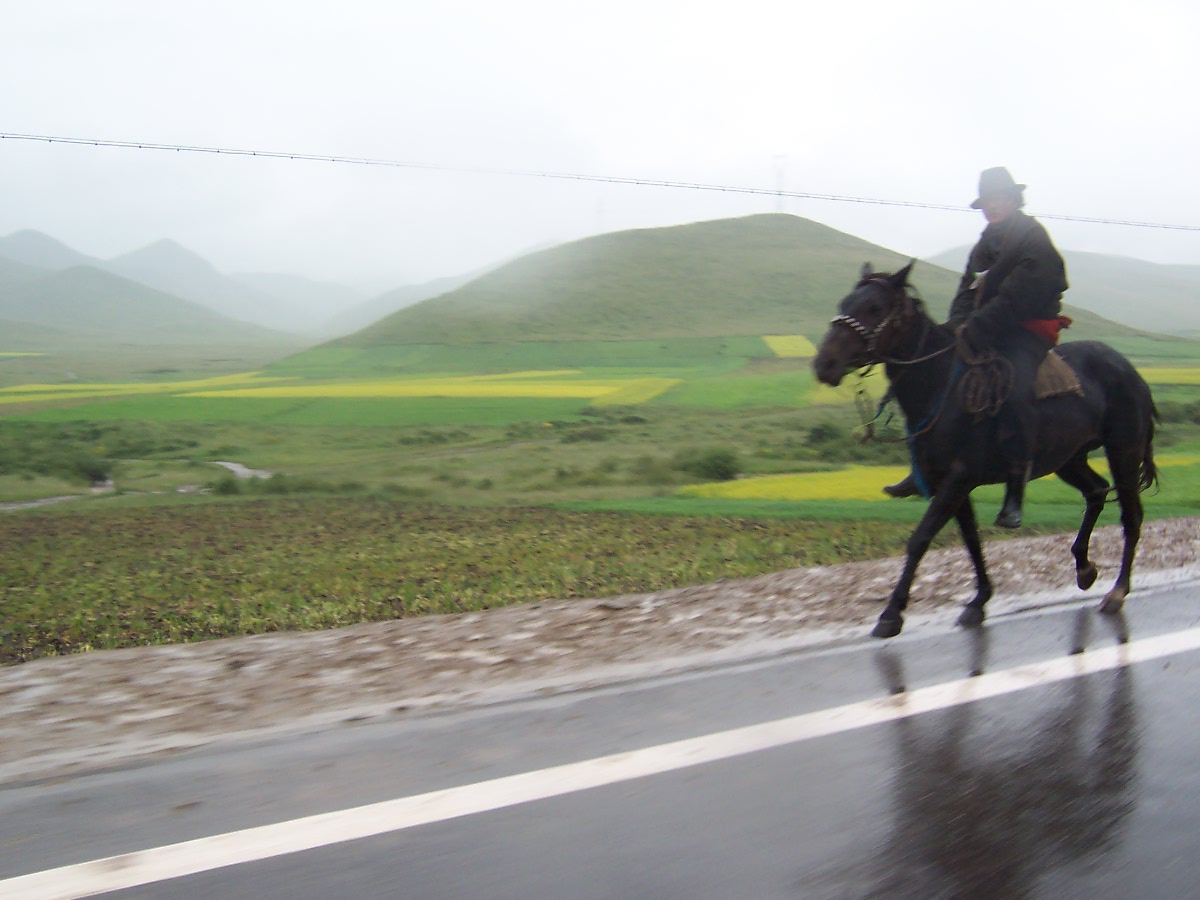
{"x": 1148, "y": 473}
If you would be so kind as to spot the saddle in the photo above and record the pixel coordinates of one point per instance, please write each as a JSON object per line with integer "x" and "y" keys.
{"x": 1055, "y": 378}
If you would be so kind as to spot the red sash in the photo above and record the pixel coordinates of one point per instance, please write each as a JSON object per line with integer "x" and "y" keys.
{"x": 1047, "y": 329}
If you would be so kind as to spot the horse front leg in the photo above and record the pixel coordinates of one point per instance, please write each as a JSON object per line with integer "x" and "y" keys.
{"x": 946, "y": 503}
{"x": 1094, "y": 488}
{"x": 973, "y": 613}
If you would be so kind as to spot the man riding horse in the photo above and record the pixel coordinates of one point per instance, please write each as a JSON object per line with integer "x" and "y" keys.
{"x": 1008, "y": 304}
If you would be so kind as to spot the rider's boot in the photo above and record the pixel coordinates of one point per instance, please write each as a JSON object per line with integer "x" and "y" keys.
{"x": 906, "y": 487}
{"x": 1014, "y": 496}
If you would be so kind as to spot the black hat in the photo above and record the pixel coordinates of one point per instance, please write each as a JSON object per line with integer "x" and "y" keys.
{"x": 996, "y": 181}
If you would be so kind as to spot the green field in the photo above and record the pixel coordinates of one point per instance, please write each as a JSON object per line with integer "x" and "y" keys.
{"x": 510, "y": 423}
{"x": 424, "y": 478}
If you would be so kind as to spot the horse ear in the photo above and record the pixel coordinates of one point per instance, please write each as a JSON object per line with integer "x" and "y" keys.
{"x": 900, "y": 279}
{"x": 865, "y": 273}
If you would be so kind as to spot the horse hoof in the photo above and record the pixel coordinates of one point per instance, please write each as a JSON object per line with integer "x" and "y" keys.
{"x": 1086, "y": 576}
{"x": 1009, "y": 518}
{"x": 1113, "y": 602}
{"x": 887, "y": 628}
{"x": 971, "y": 617}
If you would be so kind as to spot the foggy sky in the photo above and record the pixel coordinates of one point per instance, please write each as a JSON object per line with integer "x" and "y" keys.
{"x": 1089, "y": 103}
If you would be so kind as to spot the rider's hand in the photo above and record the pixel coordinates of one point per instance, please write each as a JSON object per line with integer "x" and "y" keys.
{"x": 971, "y": 337}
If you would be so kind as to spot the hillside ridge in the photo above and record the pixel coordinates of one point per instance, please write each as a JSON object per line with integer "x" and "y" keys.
{"x": 770, "y": 273}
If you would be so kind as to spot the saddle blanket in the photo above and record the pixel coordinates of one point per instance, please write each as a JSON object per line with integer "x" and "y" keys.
{"x": 1055, "y": 378}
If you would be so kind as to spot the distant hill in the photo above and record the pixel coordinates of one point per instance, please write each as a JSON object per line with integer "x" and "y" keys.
{"x": 84, "y": 301}
{"x": 764, "y": 274}
{"x": 32, "y": 248}
{"x": 173, "y": 269}
{"x": 278, "y": 302}
{"x": 371, "y": 311}
{"x": 1143, "y": 295}
{"x": 28, "y": 337}
{"x": 300, "y": 304}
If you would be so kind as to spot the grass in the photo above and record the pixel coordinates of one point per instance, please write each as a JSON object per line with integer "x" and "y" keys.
{"x": 120, "y": 577}
{"x": 368, "y": 411}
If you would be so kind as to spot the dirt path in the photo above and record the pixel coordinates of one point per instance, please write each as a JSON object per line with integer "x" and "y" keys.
{"x": 72, "y": 713}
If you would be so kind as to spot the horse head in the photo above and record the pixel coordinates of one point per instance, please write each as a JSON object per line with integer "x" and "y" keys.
{"x": 872, "y": 323}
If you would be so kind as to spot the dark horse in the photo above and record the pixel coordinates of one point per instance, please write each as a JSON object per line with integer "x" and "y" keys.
{"x": 881, "y": 321}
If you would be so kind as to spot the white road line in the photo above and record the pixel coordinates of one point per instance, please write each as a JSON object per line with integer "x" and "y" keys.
{"x": 267, "y": 841}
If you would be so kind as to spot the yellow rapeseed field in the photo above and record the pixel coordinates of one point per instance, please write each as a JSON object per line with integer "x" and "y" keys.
{"x": 557, "y": 384}
{"x": 546, "y": 384}
{"x": 641, "y": 390}
{"x": 851, "y": 483}
{"x": 41, "y": 393}
{"x": 790, "y": 345}
{"x": 1171, "y": 375}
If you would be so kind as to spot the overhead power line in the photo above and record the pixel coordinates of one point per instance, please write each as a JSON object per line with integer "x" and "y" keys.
{"x": 565, "y": 176}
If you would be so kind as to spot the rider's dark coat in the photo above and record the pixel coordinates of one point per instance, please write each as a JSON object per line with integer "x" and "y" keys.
{"x": 1013, "y": 274}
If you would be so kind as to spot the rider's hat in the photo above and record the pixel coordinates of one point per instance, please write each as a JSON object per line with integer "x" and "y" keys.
{"x": 995, "y": 182}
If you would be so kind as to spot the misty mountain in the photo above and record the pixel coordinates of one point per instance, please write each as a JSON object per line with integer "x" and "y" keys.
{"x": 32, "y": 248}
{"x": 1134, "y": 292}
{"x": 757, "y": 274}
{"x": 173, "y": 269}
{"x": 87, "y": 302}
{"x": 371, "y": 311}
{"x": 15, "y": 276}
{"x": 763, "y": 274}
{"x": 28, "y": 337}
{"x": 307, "y": 306}
{"x": 278, "y": 302}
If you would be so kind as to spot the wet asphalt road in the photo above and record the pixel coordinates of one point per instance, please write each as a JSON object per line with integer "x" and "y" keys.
{"x": 1086, "y": 787}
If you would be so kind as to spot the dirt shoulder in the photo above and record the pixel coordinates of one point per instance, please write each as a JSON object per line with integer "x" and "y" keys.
{"x": 100, "y": 709}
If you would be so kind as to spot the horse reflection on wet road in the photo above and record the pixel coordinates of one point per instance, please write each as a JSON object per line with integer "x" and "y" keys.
{"x": 984, "y": 808}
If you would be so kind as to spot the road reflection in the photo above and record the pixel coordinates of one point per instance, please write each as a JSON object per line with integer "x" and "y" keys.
{"x": 984, "y": 806}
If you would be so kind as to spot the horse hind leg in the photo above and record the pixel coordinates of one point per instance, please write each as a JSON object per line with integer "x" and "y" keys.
{"x": 1079, "y": 474}
{"x": 1126, "y": 469}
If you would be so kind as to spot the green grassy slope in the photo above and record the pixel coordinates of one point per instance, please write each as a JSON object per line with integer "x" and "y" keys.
{"x": 755, "y": 275}
{"x": 763, "y": 274}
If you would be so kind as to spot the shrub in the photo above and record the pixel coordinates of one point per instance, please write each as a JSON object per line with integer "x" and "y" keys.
{"x": 647, "y": 469}
{"x": 227, "y": 486}
{"x": 1175, "y": 412}
{"x": 714, "y": 464}
{"x": 588, "y": 433}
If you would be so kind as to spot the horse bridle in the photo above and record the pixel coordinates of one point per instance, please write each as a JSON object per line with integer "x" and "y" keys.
{"x": 870, "y": 335}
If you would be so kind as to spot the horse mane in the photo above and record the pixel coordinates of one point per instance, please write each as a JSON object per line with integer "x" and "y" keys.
{"x": 910, "y": 291}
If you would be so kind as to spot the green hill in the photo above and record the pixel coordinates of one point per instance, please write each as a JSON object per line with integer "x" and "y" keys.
{"x": 763, "y": 274}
